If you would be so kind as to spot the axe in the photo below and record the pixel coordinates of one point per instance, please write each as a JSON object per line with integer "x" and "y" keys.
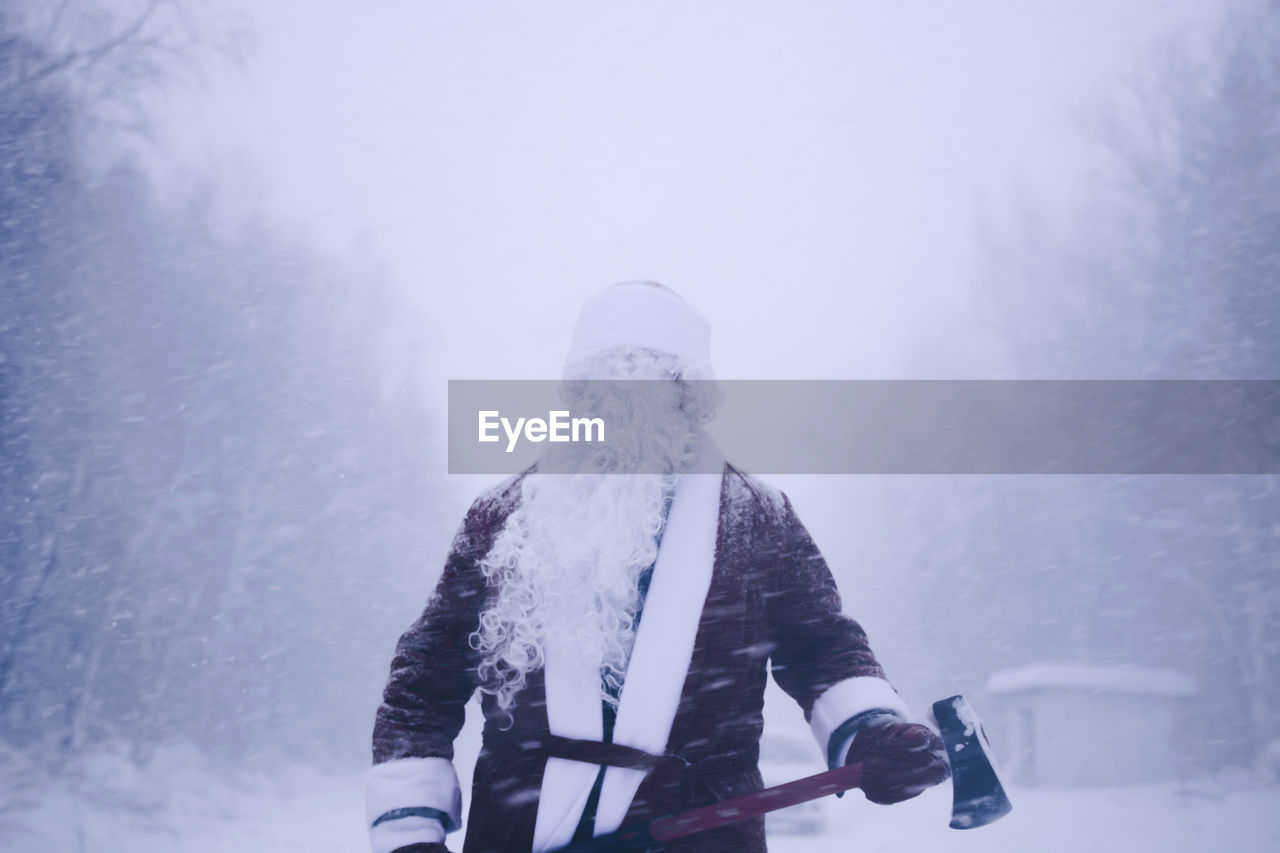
{"x": 978, "y": 796}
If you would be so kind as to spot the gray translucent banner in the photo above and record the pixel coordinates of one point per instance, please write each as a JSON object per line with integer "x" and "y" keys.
{"x": 901, "y": 426}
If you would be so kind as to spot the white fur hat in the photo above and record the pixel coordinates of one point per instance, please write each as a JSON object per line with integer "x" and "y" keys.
{"x": 647, "y": 315}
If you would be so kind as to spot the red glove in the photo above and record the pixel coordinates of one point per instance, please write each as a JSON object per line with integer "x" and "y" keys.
{"x": 899, "y": 760}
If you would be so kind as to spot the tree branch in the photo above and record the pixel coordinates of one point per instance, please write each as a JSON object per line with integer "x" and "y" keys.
{"x": 88, "y": 55}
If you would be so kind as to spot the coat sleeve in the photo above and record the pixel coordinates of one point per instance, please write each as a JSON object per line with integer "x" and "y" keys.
{"x": 820, "y": 656}
{"x": 411, "y": 792}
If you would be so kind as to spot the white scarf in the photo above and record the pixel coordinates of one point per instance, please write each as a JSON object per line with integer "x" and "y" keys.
{"x": 655, "y": 674}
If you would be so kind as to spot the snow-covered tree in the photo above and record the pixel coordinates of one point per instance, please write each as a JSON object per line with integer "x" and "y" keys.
{"x": 209, "y": 490}
{"x": 1170, "y": 271}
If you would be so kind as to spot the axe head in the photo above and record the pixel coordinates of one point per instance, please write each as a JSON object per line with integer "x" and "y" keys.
{"x": 979, "y": 797}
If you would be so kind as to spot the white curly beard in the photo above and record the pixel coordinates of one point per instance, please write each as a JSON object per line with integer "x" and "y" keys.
{"x": 567, "y": 561}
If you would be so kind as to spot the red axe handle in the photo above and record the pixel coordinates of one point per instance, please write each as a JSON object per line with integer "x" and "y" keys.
{"x": 747, "y": 806}
{"x": 750, "y": 805}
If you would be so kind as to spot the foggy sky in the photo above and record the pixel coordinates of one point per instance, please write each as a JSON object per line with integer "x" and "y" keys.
{"x": 807, "y": 173}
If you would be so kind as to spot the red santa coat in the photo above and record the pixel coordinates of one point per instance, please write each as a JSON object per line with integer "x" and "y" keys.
{"x": 771, "y": 603}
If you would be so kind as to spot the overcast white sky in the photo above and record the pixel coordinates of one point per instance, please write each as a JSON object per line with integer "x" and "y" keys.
{"x": 806, "y": 172}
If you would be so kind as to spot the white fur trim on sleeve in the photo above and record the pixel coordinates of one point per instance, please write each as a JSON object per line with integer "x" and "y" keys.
{"x": 844, "y": 699}
{"x": 409, "y": 783}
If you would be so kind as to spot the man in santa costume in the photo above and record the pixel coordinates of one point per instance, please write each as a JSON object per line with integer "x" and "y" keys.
{"x": 620, "y": 622}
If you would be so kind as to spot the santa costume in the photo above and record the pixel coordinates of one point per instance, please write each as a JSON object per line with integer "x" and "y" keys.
{"x": 737, "y": 590}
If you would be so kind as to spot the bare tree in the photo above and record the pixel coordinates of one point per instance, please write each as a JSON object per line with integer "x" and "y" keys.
{"x": 111, "y": 55}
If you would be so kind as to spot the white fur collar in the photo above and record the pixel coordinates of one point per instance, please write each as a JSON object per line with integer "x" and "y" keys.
{"x": 655, "y": 675}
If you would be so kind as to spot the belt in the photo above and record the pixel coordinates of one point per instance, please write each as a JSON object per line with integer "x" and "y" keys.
{"x": 667, "y": 768}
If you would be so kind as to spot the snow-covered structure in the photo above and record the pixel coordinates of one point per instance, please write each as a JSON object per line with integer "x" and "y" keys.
{"x": 1077, "y": 725}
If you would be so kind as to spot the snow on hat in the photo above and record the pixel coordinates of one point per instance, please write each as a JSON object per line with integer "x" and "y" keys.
{"x": 647, "y": 315}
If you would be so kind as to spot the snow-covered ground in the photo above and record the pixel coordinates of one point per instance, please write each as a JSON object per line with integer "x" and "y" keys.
{"x": 178, "y": 806}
